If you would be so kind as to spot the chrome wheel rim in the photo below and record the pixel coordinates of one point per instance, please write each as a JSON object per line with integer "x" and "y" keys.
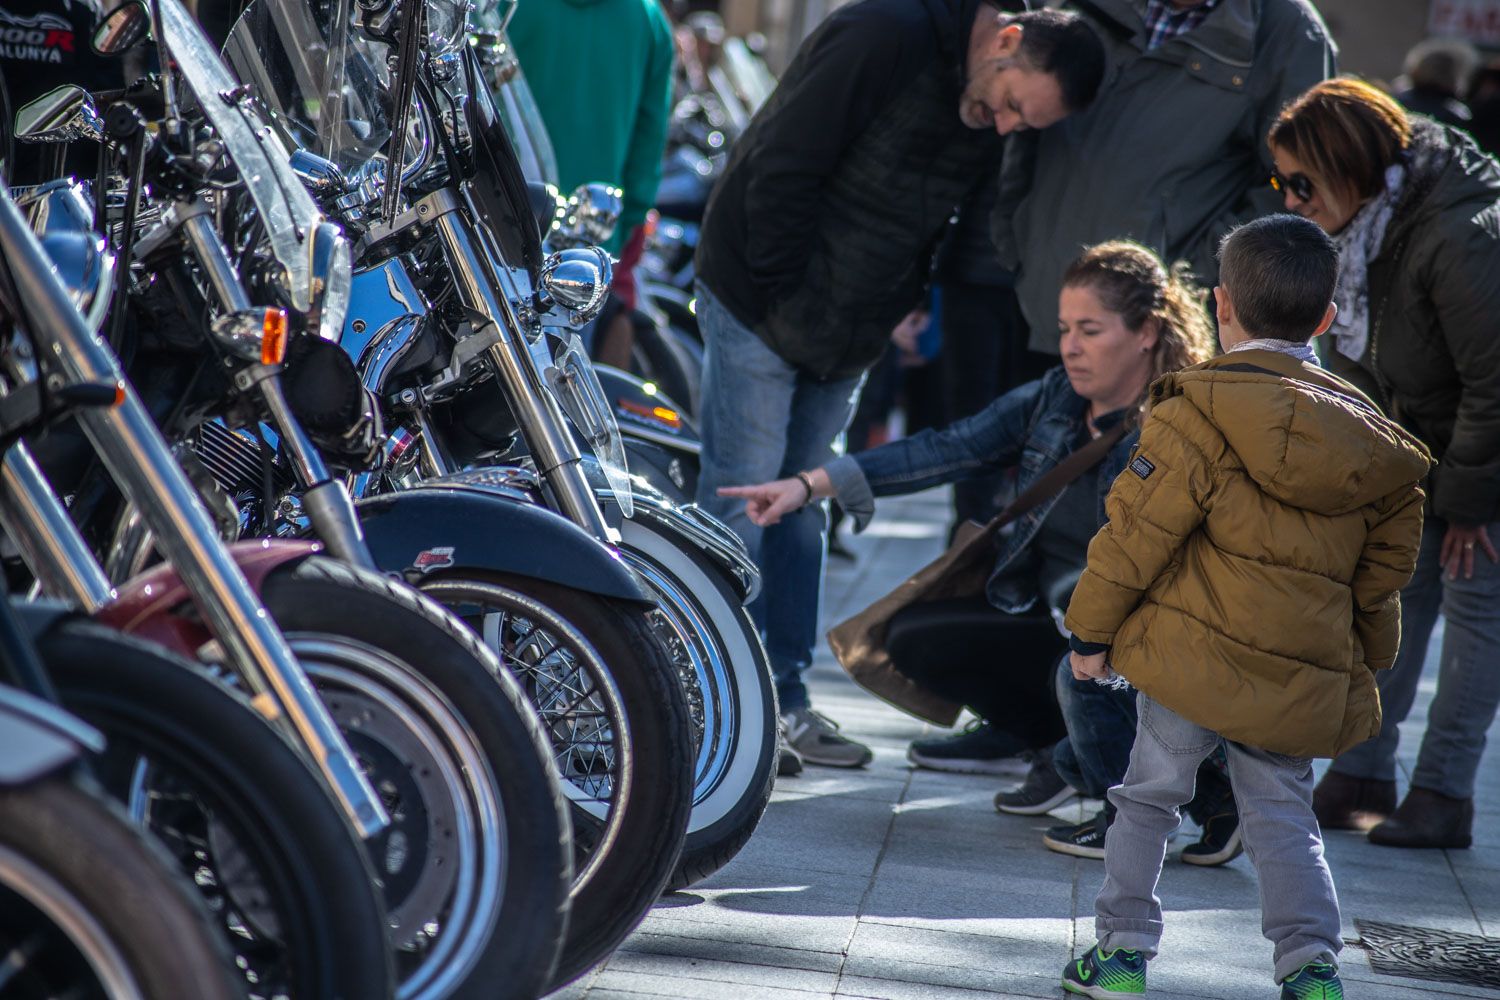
{"x": 569, "y": 686}
{"x": 705, "y": 672}
{"x": 449, "y": 920}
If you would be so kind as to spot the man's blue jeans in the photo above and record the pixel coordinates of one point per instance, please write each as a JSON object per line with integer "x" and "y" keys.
{"x": 1468, "y": 690}
{"x": 1101, "y": 723}
{"x": 763, "y": 420}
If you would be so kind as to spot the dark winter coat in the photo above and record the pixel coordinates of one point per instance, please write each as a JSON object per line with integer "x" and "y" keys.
{"x": 1433, "y": 359}
{"x": 1171, "y": 154}
{"x": 819, "y": 236}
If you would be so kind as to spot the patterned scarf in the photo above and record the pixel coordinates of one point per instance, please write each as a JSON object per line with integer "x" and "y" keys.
{"x": 1358, "y": 244}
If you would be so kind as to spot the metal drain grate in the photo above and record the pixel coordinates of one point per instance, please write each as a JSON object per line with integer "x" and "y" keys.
{"x": 1434, "y": 955}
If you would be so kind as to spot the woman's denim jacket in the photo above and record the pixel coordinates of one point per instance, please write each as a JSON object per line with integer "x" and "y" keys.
{"x": 1033, "y": 427}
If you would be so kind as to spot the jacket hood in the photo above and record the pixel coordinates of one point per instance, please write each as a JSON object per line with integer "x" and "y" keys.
{"x": 1446, "y": 169}
{"x": 1307, "y": 439}
{"x": 952, "y": 21}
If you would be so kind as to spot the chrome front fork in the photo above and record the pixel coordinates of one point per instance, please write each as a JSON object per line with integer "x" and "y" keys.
{"x": 141, "y": 463}
{"x": 541, "y": 421}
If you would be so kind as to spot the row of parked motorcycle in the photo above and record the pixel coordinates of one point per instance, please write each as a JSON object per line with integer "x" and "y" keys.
{"x": 352, "y": 650}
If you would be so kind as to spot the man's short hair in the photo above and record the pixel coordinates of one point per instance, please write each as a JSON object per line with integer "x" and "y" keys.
{"x": 1062, "y": 45}
{"x": 1280, "y": 272}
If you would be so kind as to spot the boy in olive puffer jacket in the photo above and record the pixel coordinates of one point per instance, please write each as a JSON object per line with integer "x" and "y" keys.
{"x": 1247, "y": 585}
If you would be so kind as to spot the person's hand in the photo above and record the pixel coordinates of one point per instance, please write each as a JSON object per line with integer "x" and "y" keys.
{"x": 767, "y": 503}
{"x": 1458, "y": 549}
{"x": 1089, "y": 668}
{"x": 907, "y": 332}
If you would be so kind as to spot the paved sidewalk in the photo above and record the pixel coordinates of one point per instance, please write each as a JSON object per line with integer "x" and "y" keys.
{"x": 902, "y": 884}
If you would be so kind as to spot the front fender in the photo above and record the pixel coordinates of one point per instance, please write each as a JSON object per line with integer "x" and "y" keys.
{"x": 467, "y": 526}
{"x": 39, "y": 738}
{"x": 147, "y": 604}
{"x": 689, "y": 524}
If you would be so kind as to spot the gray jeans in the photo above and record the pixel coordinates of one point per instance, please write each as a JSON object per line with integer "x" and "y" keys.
{"x": 1298, "y": 905}
{"x": 1468, "y": 682}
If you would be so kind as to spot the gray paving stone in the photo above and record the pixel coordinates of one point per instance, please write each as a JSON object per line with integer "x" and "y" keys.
{"x": 690, "y": 964}
{"x": 679, "y": 982}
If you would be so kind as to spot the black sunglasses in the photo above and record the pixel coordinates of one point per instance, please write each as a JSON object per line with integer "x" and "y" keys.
{"x": 1300, "y": 185}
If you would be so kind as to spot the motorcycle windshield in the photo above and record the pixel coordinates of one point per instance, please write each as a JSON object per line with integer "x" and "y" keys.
{"x": 324, "y": 81}
{"x": 288, "y": 211}
{"x": 575, "y": 386}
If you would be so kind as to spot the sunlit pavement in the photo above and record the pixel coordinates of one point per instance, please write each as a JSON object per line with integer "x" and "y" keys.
{"x": 896, "y": 883}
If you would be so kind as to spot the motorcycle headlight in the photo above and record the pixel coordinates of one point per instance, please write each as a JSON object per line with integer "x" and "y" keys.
{"x": 332, "y": 282}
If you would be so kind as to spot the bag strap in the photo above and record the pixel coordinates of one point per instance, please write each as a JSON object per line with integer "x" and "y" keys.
{"x": 1062, "y": 475}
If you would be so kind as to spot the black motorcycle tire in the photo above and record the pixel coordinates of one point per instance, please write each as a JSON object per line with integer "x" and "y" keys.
{"x": 649, "y": 843}
{"x": 147, "y": 701}
{"x": 726, "y": 813}
{"x": 321, "y": 595}
{"x": 86, "y": 855}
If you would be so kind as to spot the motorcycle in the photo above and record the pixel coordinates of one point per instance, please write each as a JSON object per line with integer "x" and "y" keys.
{"x": 88, "y": 904}
{"x": 702, "y": 576}
{"x": 473, "y": 866}
{"x": 268, "y": 840}
{"x": 566, "y": 614}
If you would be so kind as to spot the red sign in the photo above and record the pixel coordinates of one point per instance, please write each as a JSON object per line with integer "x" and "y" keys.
{"x": 1476, "y": 20}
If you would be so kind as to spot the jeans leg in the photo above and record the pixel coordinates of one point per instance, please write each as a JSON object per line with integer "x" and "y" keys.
{"x": 747, "y": 404}
{"x": 1298, "y": 905}
{"x": 1163, "y": 768}
{"x": 794, "y": 550}
{"x": 1101, "y": 724}
{"x": 1468, "y": 689}
{"x": 1376, "y": 758}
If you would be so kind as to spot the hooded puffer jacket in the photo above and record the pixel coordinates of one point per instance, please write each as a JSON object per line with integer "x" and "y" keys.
{"x": 1249, "y": 576}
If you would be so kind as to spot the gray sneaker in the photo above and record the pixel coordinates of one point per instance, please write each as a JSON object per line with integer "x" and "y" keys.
{"x": 788, "y": 763}
{"x": 1041, "y": 792}
{"x": 816, "y": 739}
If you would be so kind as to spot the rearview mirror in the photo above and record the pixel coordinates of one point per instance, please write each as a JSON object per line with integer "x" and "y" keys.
{"x": 61, "y": 115}
{"x": 126, "y": 27}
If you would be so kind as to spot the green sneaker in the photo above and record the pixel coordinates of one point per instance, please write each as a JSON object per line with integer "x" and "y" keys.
{"x": 1120, "y": 975}
{"x": 1314, "y": 981}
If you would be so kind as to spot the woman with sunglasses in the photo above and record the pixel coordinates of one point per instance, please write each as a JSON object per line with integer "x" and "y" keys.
{"x": 1415, "y": 208}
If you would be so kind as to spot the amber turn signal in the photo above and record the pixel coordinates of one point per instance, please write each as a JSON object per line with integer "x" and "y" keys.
{"x": 273, "y": 337}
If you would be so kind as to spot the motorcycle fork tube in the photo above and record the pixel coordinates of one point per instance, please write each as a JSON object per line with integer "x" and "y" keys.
{"x": 325, "y": 500}
{"x": 139, "y": 460}
{"x": 51, "y": 545}
{"x": 547, "y": 437}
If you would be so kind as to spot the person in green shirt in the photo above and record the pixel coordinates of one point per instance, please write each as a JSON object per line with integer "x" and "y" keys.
{"x": 601, "y": 73}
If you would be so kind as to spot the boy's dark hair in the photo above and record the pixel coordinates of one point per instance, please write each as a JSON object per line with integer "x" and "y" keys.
{"x": 1063, "y": 46}
{"x": 1280, "y": 273}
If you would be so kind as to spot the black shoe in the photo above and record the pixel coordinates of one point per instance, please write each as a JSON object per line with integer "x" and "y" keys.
{"x": 1342, "y": 802}
{"x": 1220, "y": 843}
{"x": 1086, "y": 840}
{"x": 979, "y": 749}
{"x": 1041, "y": 792}
{"x": 1427, "y": 819}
